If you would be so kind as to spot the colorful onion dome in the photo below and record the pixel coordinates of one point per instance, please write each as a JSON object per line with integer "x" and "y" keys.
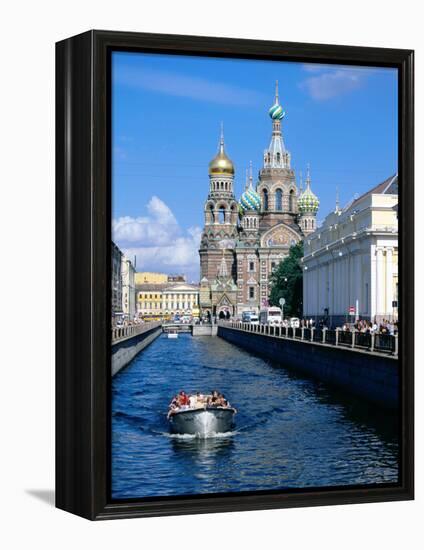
{"x": 308, "y": 201}
{"x": 250, "y": 200}
{"x": 221, "y": 164}
{"x": 276, "y": 112}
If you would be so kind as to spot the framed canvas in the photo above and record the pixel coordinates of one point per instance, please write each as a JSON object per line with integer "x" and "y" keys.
{"x": 234, "y": 274}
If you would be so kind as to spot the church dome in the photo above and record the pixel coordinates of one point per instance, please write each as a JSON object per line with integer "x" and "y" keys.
{"x": 250, "y": 200}
{"x": 276, "y": 112}
{"x": 308, "y": 201}
{"x": 221, "y": 164}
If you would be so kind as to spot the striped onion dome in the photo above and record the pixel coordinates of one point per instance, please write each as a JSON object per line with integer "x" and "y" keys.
{"x": 308, "y": 201}
{"x": 276, "y": 112}
{"x": 250, "y": 200}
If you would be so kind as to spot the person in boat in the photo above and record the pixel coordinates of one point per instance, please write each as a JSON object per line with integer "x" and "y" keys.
{"x": 183, "y": 399}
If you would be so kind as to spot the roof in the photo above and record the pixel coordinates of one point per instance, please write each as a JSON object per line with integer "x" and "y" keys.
{"x": 386, "y": 187}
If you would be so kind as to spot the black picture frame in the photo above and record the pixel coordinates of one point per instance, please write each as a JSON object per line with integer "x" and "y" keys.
{"x": 82, "y": 270}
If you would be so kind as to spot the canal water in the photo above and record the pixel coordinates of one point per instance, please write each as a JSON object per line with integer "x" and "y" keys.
{"x": 291, "y": 432}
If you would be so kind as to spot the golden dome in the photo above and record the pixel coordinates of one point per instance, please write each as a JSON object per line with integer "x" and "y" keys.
{"x": 221, "y": 164}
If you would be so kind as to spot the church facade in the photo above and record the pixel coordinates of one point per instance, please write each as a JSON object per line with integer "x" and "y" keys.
{"x": 244, "y": 241}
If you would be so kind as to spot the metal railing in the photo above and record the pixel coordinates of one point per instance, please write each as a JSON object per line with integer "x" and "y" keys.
{"x": 123, "y": 333}
{"x": 353, "y": 339}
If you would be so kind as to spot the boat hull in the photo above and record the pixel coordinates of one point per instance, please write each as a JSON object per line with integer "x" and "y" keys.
{"x": 202, "y": 422}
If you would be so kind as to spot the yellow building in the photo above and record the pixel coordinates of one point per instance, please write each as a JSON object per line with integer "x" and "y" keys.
{"x": 149, "y": 299}
{"x": 167, "y": 300}
{"x": 150, "y": 278}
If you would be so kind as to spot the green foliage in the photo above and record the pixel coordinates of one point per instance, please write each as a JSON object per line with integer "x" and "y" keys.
{"x": 287, "y": 282}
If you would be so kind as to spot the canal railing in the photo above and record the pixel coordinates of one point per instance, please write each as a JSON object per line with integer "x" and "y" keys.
{"x": 125, "y": 333}
{"x": 353, "y": 339}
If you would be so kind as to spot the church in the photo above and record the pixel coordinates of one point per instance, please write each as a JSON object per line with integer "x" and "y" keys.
{"x": 244, "y": 241}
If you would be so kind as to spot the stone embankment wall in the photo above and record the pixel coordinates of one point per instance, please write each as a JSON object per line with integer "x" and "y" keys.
{"x": 371, "y": 376}
{"x": 128, "y": 342}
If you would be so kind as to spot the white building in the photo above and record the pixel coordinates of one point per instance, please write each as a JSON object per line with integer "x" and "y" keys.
{"x": 116, "y": 281}
{"x": 128, "y": 288}
{"x": 351, "y": 262}
{"x": 181, "y": 299}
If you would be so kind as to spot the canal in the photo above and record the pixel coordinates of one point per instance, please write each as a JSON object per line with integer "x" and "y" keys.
{"x": 291, "y": 432}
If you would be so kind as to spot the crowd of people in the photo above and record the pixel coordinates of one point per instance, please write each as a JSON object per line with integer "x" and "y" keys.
{"x": 185, "y": 401}
{"x": 363, "y": 325}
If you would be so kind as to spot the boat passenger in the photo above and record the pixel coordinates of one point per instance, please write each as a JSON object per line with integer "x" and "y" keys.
{"x": 183, "y": 399}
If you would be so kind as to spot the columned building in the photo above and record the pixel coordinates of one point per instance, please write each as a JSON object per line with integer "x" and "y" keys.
{"x": 128, "y": 288}
{"x": 116, "y": 281}
{"x": 167, "y": 300}
{"x": 351, "y": 262}
{"x": 242, "y": 243}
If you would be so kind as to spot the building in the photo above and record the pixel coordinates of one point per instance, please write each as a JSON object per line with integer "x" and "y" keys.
{"x": 181, "y": 299}
{"x": 167, "y": 300}
{"x": 351, "y": 262}
{"x": 128, "y": 288}
{"x": 116, "y": 281}
{"x": 244, "y": 241}
{"x": 150, "y": 278}
{"x": 149, "y": 299}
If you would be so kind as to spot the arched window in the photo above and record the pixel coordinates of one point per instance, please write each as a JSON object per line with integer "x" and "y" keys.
{"x": 211, "y": 213}
{"x": 221, "y": 215}
{"x": 278, "y": 158}
{"x": 265, "y": 202}
{"x": 291, "y": 201}
{"x": 278, "y": 200}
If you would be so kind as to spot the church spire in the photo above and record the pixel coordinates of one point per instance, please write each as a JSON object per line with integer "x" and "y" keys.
{"x": 221, "y": 138}
{"x": 337, "y": 200}
{"x": 308, "y": 177}
{"x": 276, "y": 155}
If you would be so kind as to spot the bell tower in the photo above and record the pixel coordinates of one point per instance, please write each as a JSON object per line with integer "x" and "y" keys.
{"x": 220, "y": 213}
{"x": 277, "y": 186}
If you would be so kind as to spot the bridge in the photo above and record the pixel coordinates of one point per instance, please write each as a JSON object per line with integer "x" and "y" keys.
{"x": 177, "y": 327}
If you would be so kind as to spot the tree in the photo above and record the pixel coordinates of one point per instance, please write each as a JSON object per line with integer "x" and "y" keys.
{"x": 287, "y": 282}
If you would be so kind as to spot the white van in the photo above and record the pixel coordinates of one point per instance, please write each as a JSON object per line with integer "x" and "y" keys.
{"x": 270, "y": 316}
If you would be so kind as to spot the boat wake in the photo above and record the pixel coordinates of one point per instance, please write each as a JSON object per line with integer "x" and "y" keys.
{"x": 211, "y": 435}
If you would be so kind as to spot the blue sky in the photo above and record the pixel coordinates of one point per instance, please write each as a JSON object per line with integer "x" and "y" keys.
{"x": 166, "y": 113}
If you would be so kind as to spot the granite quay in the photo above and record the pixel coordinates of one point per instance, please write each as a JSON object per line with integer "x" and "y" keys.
{"x": 362, "y": 364}
{"x": 128, "y": 341}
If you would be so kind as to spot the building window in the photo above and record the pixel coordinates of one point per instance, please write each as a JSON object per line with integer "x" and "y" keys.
{"x": 222, "y": 215}
{"x": 251, "y": 266}
{"x": 265, "y": 199}
{"x": 273, "y": 266}
{"x": 291, "y": 201}
{"x": 251, "y": 292}
{"x": 278, "y": 200}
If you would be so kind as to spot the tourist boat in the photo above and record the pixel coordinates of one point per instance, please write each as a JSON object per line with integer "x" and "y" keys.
{"x": 204, "y": 422}
{"x": 172, "y": 334}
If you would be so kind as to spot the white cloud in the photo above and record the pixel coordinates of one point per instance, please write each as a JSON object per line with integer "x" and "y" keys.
{"x": 158, "y": 241}
{"x": 177, "y": 84}
{"x": 331, "y": 82}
